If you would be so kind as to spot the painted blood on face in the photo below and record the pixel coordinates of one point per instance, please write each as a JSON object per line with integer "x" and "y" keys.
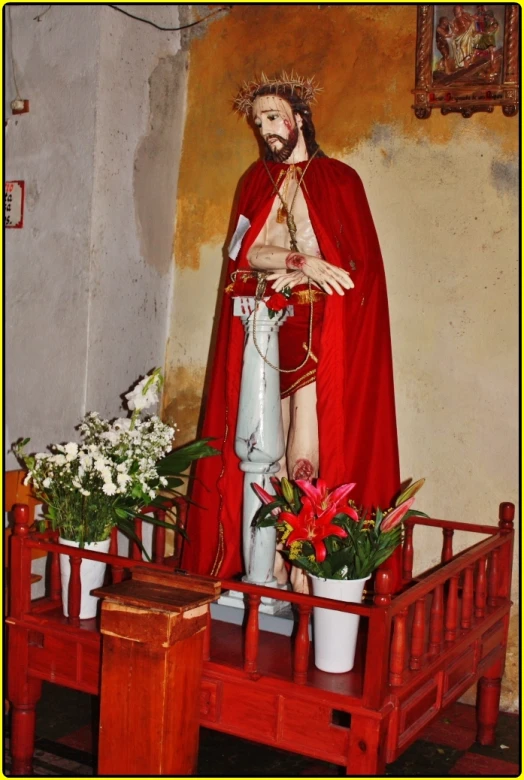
{"x": 303, "y": 469}
{"x": 295, "y": 261}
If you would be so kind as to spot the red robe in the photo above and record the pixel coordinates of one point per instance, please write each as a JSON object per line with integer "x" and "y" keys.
{"x": 355, "y": 401}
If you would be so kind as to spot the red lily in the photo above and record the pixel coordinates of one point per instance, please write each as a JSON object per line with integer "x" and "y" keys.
{"x": 307, "y": 527}
{"x": 331, "y": 502}
{"x": 394, "y": 517}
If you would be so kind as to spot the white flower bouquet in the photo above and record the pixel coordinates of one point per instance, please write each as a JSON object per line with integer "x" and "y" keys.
{"x": 117, "y": 469}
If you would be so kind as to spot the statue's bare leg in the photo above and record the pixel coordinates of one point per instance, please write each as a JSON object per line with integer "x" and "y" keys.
{"x": 279, "y": 569}
{"x": 302, "y": 453}
{"x": 301, "y": 430}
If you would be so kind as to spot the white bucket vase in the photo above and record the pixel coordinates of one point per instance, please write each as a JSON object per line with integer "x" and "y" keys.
{"x": 91, "y": 576}
{"x": 335, "y": 633}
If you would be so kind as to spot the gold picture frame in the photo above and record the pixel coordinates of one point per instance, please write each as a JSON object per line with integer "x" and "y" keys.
{"x": 467, "y": 59}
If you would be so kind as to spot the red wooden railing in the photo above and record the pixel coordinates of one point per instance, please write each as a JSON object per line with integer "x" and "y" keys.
{"x": 416, "y": 625}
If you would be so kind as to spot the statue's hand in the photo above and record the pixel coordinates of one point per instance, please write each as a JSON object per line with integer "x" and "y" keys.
{"x": 282, "y": 279}
{"x": 328, "y": 277}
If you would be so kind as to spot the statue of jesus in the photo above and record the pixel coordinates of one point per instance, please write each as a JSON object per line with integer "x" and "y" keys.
{"x": 303, "y": 228}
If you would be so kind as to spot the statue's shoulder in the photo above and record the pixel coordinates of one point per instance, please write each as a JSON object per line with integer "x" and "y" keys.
{"x": 341, "y": 174}
{"x": 339, "y": 168}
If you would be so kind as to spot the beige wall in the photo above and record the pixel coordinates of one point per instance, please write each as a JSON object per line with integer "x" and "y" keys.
{"x": 443, "y": 193}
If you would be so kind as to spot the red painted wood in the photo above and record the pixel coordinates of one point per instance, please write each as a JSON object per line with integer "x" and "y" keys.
{"x": 113, "y": 546}
{"x": 252, "y": 633}
{"x": 447, "y": 544}
{"x": 474, "y": 528}
{"x": 206, "y": 647}
{"x": 136, "y": 551}
{"x": 383, "y": 587}
{"x": 418, "y": 635}
{"x": 301, "y": 655}
{"x": 367, "y": 754}
{"x": 75, "y": 592}
{"x": 54, "y": 578}
{"x": 451, "y": 619}
{"x": 493, "y": 578}
{"x": 152, "y": 635}
{"x": 467, "y": 598}
{"x": 488, "y": 699}
{"x": 480, "y": 588}
{"x": 407, "y": 551}
{"x": 398, "y": 649}
{"x": 159, "y": 538}
{"x": 70, "y": 655}
{"x": 436, "y": 620}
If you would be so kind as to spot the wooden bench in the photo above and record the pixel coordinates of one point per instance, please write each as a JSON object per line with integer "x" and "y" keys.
{"x": 418, "y": 651}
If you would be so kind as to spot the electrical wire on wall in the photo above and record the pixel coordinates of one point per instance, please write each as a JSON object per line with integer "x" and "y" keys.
{"x": 19, "y": 105}
{"x": 171, "y": 29}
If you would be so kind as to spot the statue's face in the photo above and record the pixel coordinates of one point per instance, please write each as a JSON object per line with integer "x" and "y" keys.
{"x": 277, "y": 125}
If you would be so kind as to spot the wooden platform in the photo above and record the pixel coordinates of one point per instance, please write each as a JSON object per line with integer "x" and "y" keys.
{"x": 418, "y": 651}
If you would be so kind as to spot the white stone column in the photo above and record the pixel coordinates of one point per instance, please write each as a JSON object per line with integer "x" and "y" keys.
{"x": 259, "y": 441}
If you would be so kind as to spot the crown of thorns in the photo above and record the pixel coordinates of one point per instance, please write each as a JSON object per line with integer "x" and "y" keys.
{"x": 305, "y": 89}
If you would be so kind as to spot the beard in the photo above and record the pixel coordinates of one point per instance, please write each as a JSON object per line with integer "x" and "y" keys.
{"x": 288, "y": 144}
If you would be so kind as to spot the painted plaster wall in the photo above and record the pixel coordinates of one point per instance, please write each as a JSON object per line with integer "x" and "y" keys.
{"x": 444, "y": 197}
{"x": 89, "y": 277}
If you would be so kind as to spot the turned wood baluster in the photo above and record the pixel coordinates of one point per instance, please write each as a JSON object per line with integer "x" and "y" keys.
{"x": 55, "y": 586}
{"x": 252, "y": 631}
{"x": 467, "y": 598}
{"x": 117, "y": 572}
{"x": 383, "y": 580}
{"x": 301, "y": 658}
{"x": 159, "y": 538}
{"x": 398, "y": 648}
{"x": 206, "y": 649}
{"x": 75, "y": 592}
{"x": 480, "y": 589}
{"x": 436, "y": 620}
{"x": 506, "y": 516}
{"x": 417, "y": 636}
{"x": 493, "y": 578}
{"x": 451, "y": 619}
{"x": 447, "y": 544}
{"x": 137, "y": 552}
{"x": 407, "y": 551}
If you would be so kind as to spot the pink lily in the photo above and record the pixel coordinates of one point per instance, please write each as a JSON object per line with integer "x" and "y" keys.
{"x": 393, "y": 518}
{"x": 323, "y": 500}
{"x": 263, "y": 495}
{"x": 307, "y": 527}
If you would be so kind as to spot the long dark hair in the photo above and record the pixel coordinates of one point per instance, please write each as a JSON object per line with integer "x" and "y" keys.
{"x": 298, "y": 107}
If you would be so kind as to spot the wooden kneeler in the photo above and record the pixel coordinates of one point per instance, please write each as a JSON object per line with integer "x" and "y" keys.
{"x": 153, "y": 628}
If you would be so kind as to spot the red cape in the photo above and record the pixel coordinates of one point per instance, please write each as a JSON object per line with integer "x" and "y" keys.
{"x": 356, "y": 408}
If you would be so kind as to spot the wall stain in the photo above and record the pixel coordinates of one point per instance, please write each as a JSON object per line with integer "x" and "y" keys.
{"x": 182, "y": 400}
{"x": 363, "y": 57}
{"x": 154, "y": 182}
{"x": 505, "y": 176}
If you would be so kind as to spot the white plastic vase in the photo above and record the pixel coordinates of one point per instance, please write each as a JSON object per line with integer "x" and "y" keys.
{"x": 335, "y": 633}
{"x": 91, "y": 576}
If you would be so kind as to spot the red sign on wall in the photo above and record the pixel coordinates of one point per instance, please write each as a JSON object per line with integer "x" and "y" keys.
{"x": 14, "y": 204}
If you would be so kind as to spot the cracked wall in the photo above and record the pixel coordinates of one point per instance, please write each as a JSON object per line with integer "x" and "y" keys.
{"x": 89, "y": 277}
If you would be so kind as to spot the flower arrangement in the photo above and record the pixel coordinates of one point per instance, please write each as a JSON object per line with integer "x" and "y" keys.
{"x": 326, "y": 534}
{"x": 118, "y": 468}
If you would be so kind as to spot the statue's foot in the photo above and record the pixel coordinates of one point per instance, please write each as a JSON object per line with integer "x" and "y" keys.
{"x": 299, "y": 580}
{"x": 279, "y": 569}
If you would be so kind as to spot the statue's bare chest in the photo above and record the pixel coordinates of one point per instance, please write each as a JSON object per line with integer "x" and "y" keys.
{"x": 275, "y": 231}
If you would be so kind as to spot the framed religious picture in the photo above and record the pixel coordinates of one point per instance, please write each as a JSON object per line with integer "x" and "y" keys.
{"x": 467, "y": 59}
